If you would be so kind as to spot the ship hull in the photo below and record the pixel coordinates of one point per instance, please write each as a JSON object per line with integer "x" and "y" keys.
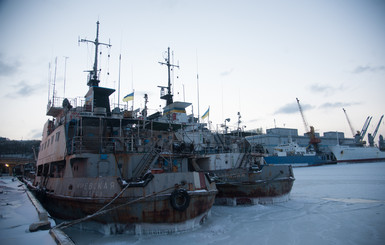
{"x": 298, "y": 161}
{"x": 241, "y": 186}
{"x": 141, "y": 205}
{"x": 357, "y": 154}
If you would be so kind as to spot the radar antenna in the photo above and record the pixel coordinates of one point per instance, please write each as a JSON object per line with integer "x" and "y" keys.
{"x": 168, "y": 96}
{"x": 93, "y": 79}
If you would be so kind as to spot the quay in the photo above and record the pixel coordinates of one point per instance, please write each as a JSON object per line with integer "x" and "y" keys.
{"x": 22, "y": 218}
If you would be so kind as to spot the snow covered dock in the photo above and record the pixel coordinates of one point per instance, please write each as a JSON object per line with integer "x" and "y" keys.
{"x": 22, "y": 219}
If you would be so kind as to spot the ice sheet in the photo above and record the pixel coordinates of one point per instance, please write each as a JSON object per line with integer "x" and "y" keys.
{"x": 336, "y": 204}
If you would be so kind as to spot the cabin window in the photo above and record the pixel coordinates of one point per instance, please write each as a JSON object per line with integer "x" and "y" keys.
{"x": 39, "y": 170}
{"x": 57, "y": 169}
{"x": 46, "y": 169}
{"x": 52, "y": 139}
{"x": 57, "y": 136}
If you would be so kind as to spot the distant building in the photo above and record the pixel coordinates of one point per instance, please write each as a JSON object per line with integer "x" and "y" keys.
{"x": 277, "y": 136}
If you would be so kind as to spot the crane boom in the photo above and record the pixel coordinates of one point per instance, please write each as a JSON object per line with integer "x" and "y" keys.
{"x": 350, "y": 124}
{"x": 303, "y": 116}
{"x": 378, "y": 125}
{"x": 309, "y": 130}
{"x": 365, "y": 127}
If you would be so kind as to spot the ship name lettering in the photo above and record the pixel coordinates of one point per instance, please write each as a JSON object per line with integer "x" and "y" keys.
{"x": 112, "y": 185}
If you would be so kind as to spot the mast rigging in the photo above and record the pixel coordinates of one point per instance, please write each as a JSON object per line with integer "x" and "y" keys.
{"x": 93, "y": 80}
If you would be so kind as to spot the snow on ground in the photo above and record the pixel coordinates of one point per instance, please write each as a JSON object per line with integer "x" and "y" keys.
{"x": 335, "y": 204}
{"x": 16, "y": 214}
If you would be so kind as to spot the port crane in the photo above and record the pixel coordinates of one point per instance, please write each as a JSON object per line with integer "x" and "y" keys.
{"x": 370, "y": 136}
{"x": 309, "y": 130}
{"x": 365, "y": 128}
{"x": 350, "y": 124}
{"x": 359, "y": 135}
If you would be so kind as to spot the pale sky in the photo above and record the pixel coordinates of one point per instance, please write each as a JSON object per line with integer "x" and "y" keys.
{"x": 253, "y": 57}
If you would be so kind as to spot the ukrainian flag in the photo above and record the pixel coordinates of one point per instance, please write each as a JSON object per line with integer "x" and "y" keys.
{"x": 128, "y": 97}
{"x": 207, "y": 113}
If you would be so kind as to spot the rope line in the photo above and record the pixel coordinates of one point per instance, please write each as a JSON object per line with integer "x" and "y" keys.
{"x": 103, "y": 210}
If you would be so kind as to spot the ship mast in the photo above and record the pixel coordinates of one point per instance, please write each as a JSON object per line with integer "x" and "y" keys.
{"x": 93, "y": 80}
{"x": 168, "y": 96}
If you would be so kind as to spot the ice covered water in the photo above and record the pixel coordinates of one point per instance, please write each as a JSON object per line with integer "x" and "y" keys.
{"x": 335, "y": 204}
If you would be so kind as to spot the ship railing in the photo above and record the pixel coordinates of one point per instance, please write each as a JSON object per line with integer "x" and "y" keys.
{"x": 58, "y": 102}
{"x": 103, "y": 145}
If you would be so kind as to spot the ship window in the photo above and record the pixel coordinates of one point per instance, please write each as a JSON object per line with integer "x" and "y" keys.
{"x": 45, "y": 169}
{"x": 57, "y": 136}
{"x": 39, "y": 170}
{"x": 52, "y": 139}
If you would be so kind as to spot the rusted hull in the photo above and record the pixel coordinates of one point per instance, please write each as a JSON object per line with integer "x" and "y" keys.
{"x": 71, "y": 199}
{"x": 241, "y": 186}
{"x": 152, "y": 210}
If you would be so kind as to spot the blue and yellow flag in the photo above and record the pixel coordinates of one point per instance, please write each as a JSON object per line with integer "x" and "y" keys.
{"x": 128, "y": 97}
{"x": 206, "y": 114}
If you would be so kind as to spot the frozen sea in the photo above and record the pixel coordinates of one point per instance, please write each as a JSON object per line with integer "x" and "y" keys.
{"x": 333, "y": 204}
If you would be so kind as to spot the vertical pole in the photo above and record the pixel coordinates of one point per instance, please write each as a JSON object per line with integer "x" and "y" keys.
{"x": 65, "y": 72}
{"x": 54, "y": 82}
{"x": 198, "y": 87}
{"x": 120, "y": 61}
{"x": 169, "y": 71}
{"x": 95, "y": 77}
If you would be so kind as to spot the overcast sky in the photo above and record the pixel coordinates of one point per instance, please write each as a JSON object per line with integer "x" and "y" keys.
{"x": 253, "y": 57}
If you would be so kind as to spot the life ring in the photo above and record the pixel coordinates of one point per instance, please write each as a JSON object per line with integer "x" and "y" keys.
{"x": 180, "y": 199}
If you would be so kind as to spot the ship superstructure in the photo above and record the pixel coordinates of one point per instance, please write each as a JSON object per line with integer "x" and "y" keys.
{"x": 112, "y": 167}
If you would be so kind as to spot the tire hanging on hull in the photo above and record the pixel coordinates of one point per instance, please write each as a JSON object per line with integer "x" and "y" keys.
{"x": 180, "y": 199}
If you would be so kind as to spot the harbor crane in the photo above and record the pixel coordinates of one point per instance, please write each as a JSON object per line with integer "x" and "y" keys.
{"x": 365, "y": 127}
{"x": 350, "y": 124}
{"x": 372, "y": 137}
{"x": 309, "y": 130}
{"x": 359, "y": 135}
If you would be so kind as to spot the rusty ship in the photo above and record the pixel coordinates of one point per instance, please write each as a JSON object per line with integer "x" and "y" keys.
{"x": 241, "y": 175}
{"x": 109, "y": 166}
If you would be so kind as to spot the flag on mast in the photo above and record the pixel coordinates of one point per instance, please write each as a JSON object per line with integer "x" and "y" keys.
{"x": 206, "y": 114}
{"x": 128, "y": 97}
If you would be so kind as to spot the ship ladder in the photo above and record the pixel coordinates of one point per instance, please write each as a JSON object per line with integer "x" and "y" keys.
{"x": 218, "y": 140}
{"x": 145, "y": 163}
{"x": 240, "y": 160}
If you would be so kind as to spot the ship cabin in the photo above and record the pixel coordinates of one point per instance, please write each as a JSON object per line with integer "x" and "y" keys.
{"x": 91, "y": 127}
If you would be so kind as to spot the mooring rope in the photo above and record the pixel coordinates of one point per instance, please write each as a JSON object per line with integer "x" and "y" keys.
{"x": 67, "y": 224}
{"x": 113, "y": 200}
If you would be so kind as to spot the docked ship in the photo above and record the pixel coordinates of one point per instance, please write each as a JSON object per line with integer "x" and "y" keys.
{"x": 297, "y": 156}
{"x": 353, "y": 153}
{"x": 240, "y": 174}
{"x": 359, "y": 152}
{"x": 111, "y": 167}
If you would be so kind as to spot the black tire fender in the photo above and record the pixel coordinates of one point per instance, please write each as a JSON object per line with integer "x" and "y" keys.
{"x": 180, "y": 199}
